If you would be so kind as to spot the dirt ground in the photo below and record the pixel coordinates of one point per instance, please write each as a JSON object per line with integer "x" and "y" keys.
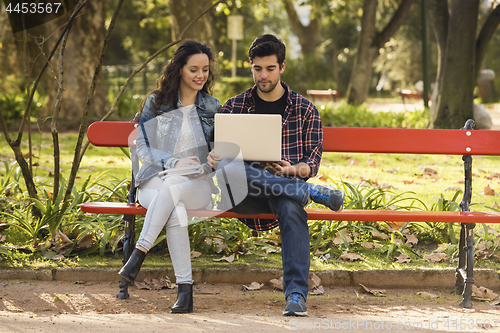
{"x": 57, "y": 306}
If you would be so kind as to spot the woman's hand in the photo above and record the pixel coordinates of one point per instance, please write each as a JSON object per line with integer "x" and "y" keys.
{"x": 213, "y": 160}
{"x": 187, "y": 161}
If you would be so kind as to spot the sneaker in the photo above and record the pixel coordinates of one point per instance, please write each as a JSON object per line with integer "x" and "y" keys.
{"x": 326, "y": 195}
{"x": 295, "y": 305}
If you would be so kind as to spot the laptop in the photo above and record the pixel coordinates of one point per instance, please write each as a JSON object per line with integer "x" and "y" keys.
{"x": 250, "y": 137}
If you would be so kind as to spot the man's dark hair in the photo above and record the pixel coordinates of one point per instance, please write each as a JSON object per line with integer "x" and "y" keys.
{"x": 267, "y": 45}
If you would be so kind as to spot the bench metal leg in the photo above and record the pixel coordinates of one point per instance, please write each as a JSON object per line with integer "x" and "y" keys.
{"x": 469, "y": 281}
{"x": 462, "y": 259}
{"x": 128, "y": 247}
{"x": 466, "y": 244}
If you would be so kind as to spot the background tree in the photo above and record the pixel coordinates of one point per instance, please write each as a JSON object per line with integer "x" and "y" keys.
{"x": 370, "y": 41}
{"x": 461, "y": 53}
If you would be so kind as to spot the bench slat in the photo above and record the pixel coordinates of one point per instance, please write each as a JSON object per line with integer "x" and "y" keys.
{"x": 411, "y": 141}
{"x": 317, "y": 214}
{"x": 349, "y": 139}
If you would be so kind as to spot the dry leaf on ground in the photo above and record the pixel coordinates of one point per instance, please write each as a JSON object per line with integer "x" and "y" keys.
{"x": 489, "y": 191}
{"x": 483, "y": 294}
{"x": 195, "y": 254}
{"x": 375, "y": 292}
{"x": 411, "y": 240}
{"x": 228, "y": 259}
{"x": 85, "y": 242}
{"x": 154, "y": 284}
{"x": 317, "y": 291}
{"x": 430, "y": 172}
{"x": 436, "y": 257}
{"x": 379, "y": 235}
{"x": 253, "y": 286}
{"x": 277, "y": 283}
{"x": 402, "y": 258}
{"x": 340, "y": 240}
{"x": 426, "y": 294}
{"x": 371, "y": 245}
{"x": 220, "y": 245}
{"x": 350, "y": 256}
{"x": 314, "y": 281}
{"x": 453, "y": 188}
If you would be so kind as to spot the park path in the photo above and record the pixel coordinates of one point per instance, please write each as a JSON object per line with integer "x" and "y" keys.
{"x": 61, "y": 306}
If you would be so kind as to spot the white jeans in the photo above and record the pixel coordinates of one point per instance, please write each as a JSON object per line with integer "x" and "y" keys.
{"x": 167, "y": 201}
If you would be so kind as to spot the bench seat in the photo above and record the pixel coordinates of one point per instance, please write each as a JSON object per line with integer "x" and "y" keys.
{"x": 316, "y": 214}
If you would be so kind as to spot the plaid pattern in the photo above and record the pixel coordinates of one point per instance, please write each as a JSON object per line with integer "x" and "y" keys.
{"x": 302, "y": 136}
{"x": 302, "y": 130}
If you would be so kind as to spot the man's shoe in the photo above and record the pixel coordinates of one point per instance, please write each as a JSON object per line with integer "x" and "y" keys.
{"x": 295, "y": 305}
{"x": 326, "y": 195}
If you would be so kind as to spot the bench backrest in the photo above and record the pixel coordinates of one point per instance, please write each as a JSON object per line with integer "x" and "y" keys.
{"x": 349, "y": 139}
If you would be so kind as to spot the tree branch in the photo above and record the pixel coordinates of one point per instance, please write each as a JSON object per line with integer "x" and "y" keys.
{"x": 140, "y": 68}
{"x": 484, "y": 37}
{"x": 81, "y": 4}
{"x": 399, "y": 17}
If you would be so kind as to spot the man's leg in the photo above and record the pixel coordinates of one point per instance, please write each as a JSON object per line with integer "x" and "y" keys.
{"x": 295, "y": 250}
{"x": 238, "y": 180}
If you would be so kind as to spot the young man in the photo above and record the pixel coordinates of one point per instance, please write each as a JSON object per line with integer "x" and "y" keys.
{"x": 280, "y": 188}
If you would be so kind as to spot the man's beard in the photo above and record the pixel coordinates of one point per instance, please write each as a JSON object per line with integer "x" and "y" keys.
{"x": 271, "y": 86}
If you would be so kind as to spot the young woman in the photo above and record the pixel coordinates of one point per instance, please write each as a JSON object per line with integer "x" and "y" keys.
{"x": 175, "y": 129}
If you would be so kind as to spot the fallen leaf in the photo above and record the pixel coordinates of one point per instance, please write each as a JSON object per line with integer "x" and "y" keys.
{"x": 220, "y": 245}
{"x": 316, "y": 281}
{"x": 492, "y": 176}
{"x": 228, "y": 259}
{"x": 408, "y": 182}
{"x": 483, "y": 294}
{"x": 318, "y": 252}
{"x": 436, "y": 257}
{"x": 411, "y": 240}
{"x": 253, "y": 286}
{"x": 453, "y": 188}
{"x": 371, "y": 245}
{"x": 426, "y": 294}
{"x": 154, "y": 284}
{"x": 322, "y": 178}
{"x": 340, "y": 240}
{"x": 392, "y": 170}
{"x": 442, "y": 247}
{"x": 277, "y": 283}
{"x": 379, "y": 235}
{"x": 375, "y": 292}
{"x": 317, "y": 291}
{"x": 402, "y": 258}
{"x": 489, "y": 191}
{"x": 350, "y": 256}
{"x": 495, "y": 205}
{"x": 371, "y": 163}
{"x": 57, "y": 257}
{"x": 430, "y": 172}
{"x": 195, "y": 254}
{"x": 386, "y": 186}
{"x": 354, "y": 162}
{"x": 396, "y": 225}
{"x": 85, "y": 242}
{"x": 480, "y": 231}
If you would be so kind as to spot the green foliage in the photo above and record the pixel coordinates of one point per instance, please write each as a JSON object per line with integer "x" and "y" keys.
{"x": 228, "y": 87}
{"x": 128, "y": 104}
{"x": 13, "y": 104}
{"x": 343, "y": 114}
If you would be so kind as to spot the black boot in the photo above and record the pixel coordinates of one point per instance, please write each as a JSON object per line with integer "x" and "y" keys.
{"x": 184, "y": 303}
{"x": 130, "y": 270}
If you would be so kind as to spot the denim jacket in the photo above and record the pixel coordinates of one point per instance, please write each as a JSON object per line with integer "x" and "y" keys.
{"x": 159, "y": 130}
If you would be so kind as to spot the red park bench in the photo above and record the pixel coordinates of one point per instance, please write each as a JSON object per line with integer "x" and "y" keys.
{"x": 464, "y": 142}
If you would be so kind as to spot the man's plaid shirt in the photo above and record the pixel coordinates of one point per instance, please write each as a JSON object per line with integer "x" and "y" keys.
{"x": 302, "y": 135}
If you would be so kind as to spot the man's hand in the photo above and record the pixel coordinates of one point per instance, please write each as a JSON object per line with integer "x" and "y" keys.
{"x": 285, "y": 168}
{"x": 213, "y": 159}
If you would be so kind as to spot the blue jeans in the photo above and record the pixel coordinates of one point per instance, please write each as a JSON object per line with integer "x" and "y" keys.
{"x": 263, "y": 192}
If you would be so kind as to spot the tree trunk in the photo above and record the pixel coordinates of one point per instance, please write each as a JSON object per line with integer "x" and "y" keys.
{"x": 369, "y": 43}
{"x": 183, "y": 12}
{"x": 456, "y": 82}
{"x": 309, "y": 36}
{"x": 84, "y": 44}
